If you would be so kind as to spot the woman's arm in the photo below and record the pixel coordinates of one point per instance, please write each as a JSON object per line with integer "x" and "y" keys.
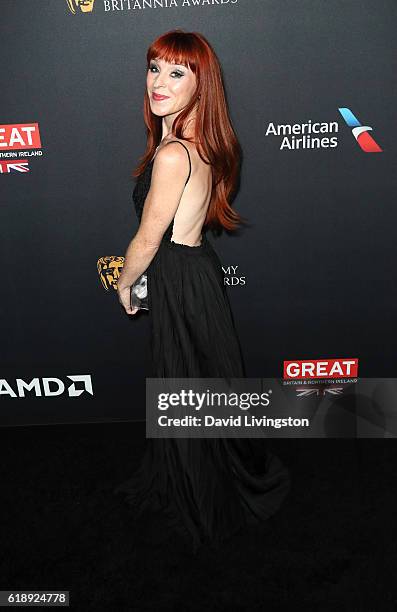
{"x": 169, "y": 173}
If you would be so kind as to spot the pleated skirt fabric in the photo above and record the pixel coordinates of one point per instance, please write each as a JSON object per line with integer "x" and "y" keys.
{"x": 210, "y": 488}
{"x": 192, "y": 327}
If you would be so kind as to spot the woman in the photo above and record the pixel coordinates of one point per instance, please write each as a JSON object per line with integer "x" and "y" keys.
{"x": 209, "y": 487}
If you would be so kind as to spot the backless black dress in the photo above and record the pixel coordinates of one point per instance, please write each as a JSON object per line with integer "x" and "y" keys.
{"x": 209, "y": 488}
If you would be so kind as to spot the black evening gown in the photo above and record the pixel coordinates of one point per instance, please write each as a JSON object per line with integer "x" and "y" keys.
{"x": 207, "y": 488}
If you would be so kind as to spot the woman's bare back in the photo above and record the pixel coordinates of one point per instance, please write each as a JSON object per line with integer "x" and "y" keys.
{"x": 193, "y": 205}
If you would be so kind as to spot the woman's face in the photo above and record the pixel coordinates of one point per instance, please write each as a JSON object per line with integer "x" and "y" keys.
{"x": 175, "y": 82}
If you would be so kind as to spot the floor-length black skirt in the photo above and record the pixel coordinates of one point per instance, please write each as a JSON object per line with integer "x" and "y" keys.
{"x": 207, "y": 488}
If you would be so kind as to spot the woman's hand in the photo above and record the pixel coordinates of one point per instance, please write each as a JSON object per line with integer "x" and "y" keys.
{"x": 124, "y": 294}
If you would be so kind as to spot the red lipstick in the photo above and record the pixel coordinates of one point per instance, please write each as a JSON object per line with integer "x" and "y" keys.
{"x": 156, "y": 96}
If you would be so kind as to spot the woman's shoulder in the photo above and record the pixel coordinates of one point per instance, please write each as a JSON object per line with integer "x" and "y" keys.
{"x": 171, "y": 157}
{"x": 169, "y": 140}
{"x": 170, "y": 151}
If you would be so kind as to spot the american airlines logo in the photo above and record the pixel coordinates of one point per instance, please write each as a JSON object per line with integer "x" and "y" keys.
{"x": 321, "y": 134}
{"x": 360, "y": 132}
{"x": 47, "y": 387}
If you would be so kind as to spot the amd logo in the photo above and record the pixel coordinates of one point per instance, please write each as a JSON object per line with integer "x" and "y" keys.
{"x": 47, "y": 387}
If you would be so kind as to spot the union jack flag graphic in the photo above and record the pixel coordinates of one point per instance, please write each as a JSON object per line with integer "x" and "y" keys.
{"x": 8, "y": 166}
{"x": 319, "y": 391}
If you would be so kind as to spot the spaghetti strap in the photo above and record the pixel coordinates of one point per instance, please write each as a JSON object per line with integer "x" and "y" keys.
{"x": 188, "y": 154}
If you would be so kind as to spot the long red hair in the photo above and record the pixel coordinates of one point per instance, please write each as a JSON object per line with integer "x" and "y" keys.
{"x": 216, "y": 140}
